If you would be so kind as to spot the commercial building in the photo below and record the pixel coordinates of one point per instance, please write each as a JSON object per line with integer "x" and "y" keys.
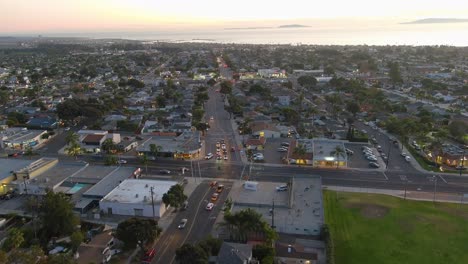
{"x": 320, "y": 152}
{"x": 185, "y": 146}
{"x": 20, "y": 138}
{"x": 296, "y": 208}
{"x": 324, "y": 153}
{"x": 135, "y": 197}
{"x": 8, "y": 167}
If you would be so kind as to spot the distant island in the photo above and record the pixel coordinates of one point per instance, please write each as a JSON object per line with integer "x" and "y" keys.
{"x": 437, "y": 21}
{"x": 293, "y": 26}
{"x": 249, "y": 28}
{"x": 282, "y": 26}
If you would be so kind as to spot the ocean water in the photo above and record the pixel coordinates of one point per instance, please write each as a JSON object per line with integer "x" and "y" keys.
{"x": 394, "y": 34}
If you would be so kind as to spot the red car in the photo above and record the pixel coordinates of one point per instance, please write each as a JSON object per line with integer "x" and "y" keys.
{"x": 148, "y": 257}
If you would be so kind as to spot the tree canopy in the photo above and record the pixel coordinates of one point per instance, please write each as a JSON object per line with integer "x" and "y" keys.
{"x": 56, "y": 214}
{"x": 137, "y": 232}
{"x": 191, "y": 254}
{"x": 307, "y": 81}
{"x": 175, "y": 197}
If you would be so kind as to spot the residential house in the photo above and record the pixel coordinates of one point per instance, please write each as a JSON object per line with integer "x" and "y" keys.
{"x": 234, "y": 253}
{"x": 264, "y": 129}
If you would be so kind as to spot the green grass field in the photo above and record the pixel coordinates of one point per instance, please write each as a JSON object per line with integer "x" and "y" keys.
{"x": 372, "y": 228}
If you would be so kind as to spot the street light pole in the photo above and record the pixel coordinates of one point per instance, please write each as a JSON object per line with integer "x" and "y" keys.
{"x": 152, "y": 200}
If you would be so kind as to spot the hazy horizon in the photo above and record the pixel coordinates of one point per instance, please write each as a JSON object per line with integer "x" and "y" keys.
{"x": 336, "y": 21}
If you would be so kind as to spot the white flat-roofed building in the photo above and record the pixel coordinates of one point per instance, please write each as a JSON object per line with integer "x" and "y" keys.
{"x": 324, "y": 156}
{"x": 132, "y": 197}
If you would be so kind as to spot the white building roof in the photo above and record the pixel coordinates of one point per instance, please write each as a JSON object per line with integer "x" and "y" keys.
{"x": 139, "y": 191}
{"x": 324, "y": 147}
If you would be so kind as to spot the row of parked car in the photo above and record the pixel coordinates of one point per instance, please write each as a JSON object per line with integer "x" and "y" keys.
{"x": 370, "y": 156}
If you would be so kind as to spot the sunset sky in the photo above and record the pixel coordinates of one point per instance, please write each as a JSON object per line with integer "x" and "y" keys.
{"x": 43, "y": 16}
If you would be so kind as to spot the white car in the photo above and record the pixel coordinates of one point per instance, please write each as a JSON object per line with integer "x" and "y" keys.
{"x": 282, "y": 149}
{"x": 407, "y": 158}
{"x": 209, "y": 156}
{"x": 122, "y": 162}
{"x": 182, "y": 223}
{"x": 225, "y": 157}
{"x": 282, "y": 188}
{"x": 209, "y": 206}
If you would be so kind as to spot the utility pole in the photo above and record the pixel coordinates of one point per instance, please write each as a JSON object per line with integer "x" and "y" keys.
{"x": 152, "y": 200}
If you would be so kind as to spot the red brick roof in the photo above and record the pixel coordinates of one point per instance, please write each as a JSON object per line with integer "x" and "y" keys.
{"x": 256, "y": 142}
{"x": 93, "y": 138}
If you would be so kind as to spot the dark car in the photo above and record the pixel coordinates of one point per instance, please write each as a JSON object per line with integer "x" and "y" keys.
{"x": 165, "y": 171}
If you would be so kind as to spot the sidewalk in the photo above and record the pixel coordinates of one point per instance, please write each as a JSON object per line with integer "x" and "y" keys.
{"x": 410, "y": 195}
{"x": 238, "y": 140}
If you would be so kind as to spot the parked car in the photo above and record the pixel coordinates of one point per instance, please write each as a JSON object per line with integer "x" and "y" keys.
{"x": 220, "y": 188}
{"x": 282, "y": 188}
{"x": 209, "y": 206}
{"x": 407, "y": 158}
{"x": 349, "y": 152}
{"x": 285, "y": 144}
{"x": 122, "y": 162}
{"x": 371, "y": 158}
{"x": 209, "y": 156}
{"x": 165, "y": 171}
{"x": 282, "y": 149}
{"x": 403, "y": 154}
{"x": 182, "y": 223}
{"x": 213, "y": 183}
{"x": 374, "y": 165}
{"x": 233, "y": 149}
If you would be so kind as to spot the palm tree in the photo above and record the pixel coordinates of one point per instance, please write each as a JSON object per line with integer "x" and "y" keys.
{"x": 300, "y": 151}
{"x": 71, "y": 137}
{"x": 337, "y": 153}
{"x": 154, "y": 149}
{"x": 109, "y": 146}
{"x": 73, "y": 149}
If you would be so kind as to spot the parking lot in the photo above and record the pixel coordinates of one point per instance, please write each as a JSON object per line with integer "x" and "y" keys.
{"x": 358, "y": 160}
{"x": 271, "y": 153}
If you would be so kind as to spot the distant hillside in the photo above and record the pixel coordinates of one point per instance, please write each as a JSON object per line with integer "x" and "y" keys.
{"x": 292, "y": 26}
{"x": 437, "y": 21}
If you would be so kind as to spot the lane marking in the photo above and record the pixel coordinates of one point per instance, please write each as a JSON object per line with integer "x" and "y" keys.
{"x": 165, "y": 248}
{"x": 385, "y": 175}
{"x": 442, "y": 178}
